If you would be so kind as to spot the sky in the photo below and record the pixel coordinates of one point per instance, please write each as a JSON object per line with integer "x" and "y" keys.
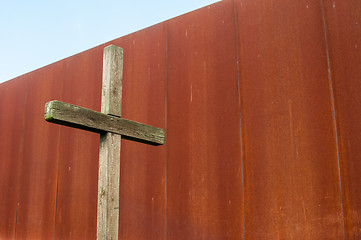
{"x": 36, "y": 33}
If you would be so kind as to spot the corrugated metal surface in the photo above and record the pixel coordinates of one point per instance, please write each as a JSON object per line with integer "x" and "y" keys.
{"x": 260, "y": 101}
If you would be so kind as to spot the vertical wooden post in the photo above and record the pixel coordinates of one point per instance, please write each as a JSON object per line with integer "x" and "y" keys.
{"x": 109, "y": 153}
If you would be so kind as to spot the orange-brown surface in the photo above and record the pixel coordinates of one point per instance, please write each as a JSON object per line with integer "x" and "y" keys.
{"x": 292, "y": 188}
{"x": 12, "y": 96}
{"x": 261, "y": 104}
{"x": 204, "y": 165}
{"x": 343, "y": 29}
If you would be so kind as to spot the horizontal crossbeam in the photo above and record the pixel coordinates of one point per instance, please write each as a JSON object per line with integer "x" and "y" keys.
{"x": 86, "y": 119}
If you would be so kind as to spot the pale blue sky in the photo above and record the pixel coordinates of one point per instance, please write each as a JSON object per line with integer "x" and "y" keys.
{"x": 36, "y": 33}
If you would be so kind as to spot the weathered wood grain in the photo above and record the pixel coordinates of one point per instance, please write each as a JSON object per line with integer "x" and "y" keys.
{"x": 109, "y": 147}
{"x": 112, "y": 80}
{"x": 86, "y": 119}
{"x": 108, "y": 186}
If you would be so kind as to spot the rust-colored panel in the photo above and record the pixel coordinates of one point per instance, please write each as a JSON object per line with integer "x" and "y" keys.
{"x": 292, "y": 188}
{"x": 39, "y": 163}
{"x": 343, "y": 27}
{"x": 142, "y": 189}
{"x": 12, "y": 97}
{"x": 204, "y": 172}
{"x": 79, "y": 151}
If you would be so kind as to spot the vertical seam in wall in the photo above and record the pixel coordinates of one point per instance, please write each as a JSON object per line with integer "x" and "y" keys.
{"x": 57, "y": 185}
{"x": 58, "y": 164}
{"x": 332, "y": 95}
{"x": 240, "y": 118}
{"x": 166, "y": 129}
{"x": 20, "y": 159}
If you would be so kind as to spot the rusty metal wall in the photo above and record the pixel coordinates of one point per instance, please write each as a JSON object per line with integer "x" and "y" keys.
{"x": 291, "y": 167}
{"x": 12, "y": 96}
{"x": 204, "y": 167}
{"x": 261, "y": 105}
{"x": 343, "y": 31}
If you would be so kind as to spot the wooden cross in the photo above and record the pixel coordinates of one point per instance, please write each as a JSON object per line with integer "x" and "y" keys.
{"x": 111, "y": 127}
